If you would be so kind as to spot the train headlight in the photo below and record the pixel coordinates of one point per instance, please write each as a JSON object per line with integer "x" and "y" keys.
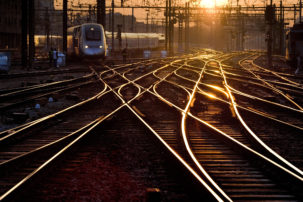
{"x": 86, "y": 46}
{"x": 100, "y": 46}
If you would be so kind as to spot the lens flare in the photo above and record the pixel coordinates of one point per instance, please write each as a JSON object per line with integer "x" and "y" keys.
{"x": 212, "y": 3}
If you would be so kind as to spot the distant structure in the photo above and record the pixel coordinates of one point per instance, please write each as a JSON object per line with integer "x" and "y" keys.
{"x": 10, "y": 21}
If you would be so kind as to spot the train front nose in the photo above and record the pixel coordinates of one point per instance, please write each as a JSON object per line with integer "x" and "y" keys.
{"x": 93, "y": 50}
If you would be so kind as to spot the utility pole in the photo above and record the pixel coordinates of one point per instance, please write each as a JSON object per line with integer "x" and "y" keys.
{"x": 47, "y": 25}
{"x": 64, "y": 16}
{"x": 166, "y": 26}
{"x": 295, "y": 12}
{"x": 101, "y": 15}
{"x": 180, "y": 35}
{"x": 132, "y": 29}
{"x": 170, "y": 30}
{"x": 281, "y": 29}
{"x": 24, "y": 7}
{"x": 110, "y": 20}
{"x": 99, "y": 20}
{"x": 173, "y": 30}
{"x": 269, "y": 16}
{"x": 113, "y": 25}
{"x": 147, "y": 24}
{"x": 186, "y": 26}
{"x": 31, "y": 32}
{"x": 300, "y": 11}
{"x": 89, "y": 17}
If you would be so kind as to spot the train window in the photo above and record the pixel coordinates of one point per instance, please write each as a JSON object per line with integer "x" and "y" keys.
{"x": 93, "y": 34}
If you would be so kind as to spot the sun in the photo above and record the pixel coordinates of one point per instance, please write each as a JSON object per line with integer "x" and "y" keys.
{"x": 212, "y": 3}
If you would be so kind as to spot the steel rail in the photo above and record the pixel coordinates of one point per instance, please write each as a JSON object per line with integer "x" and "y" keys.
{"x": 18, "y": 129}
{"x": 279, "y": 85}
{"x": 33, "y": 123}
{"x": 247, "y": 148}
{"x": 163, "y": 141}
{"x": 254, "y": 97}
{"x": 239, "y": 106}
{"x": 98, "y": 96}
{"x": 271, "y": 86}
{"x": 26, "y": 126}
{"x": 94, "y": 124}
{"x": 285, "y": 169}
{"x": 3, "y": 133}
{"x": 46, "y": 85}
{"x": 265, "y": 146}
{"x": 243, "y": 94}
{"x": 50, "y": 160}
{"x": 185, "y": 136}
{"x": 267, "y": 72}
{"x": 230, "y": 138}
{"x": 31, "y": 98}
{"x": 277, "y": 74}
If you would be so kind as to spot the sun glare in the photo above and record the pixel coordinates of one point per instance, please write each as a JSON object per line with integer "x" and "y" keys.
{"x": 212, "y": 3}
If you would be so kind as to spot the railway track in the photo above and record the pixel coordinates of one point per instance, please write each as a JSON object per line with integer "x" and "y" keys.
{"x": 42, "y": 73}
{"x": 19, "y": 97}
{"x": 187, "y": 107}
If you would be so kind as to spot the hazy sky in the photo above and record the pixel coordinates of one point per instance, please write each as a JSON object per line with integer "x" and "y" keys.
{"x": 202, "y": 2}
{"x": 140, "y": 14}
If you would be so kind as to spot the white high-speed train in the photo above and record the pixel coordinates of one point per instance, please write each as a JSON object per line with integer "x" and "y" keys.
{"x": 91, "y": 41}
{"x": 86, "y": 40}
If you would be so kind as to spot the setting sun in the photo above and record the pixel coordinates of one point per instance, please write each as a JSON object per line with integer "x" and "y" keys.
{"x": 212, "y": 3}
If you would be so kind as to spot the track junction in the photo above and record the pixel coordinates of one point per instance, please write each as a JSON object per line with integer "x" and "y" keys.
{"x": 222, "y": 127}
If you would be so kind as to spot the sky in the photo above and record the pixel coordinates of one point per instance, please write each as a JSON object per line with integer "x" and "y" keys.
{"x": 140, "y": 14}
{"x": 197, "y": 2}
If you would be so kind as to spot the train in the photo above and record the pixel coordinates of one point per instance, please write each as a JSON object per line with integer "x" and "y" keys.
{"x": 86, "y": 41}
{"x": 294, "y": 44}
{"x": 136, "y": 41}
{"x": 89, "y": 40}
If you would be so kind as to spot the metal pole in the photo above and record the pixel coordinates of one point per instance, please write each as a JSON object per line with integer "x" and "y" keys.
{"x": 47, "y": 26}
{"x": 133, "y": 19}
{"x": 24, "y": 32}
{"x": 113, "y": 25}
{"x": 281, "y": 28}
{"x": 166, "y": 26}
{"x": 109, "y": 20}
{"x": 65, "y": 26}
{"x": 187, "y": 27}
{"x": 147, "y": 30}
{"x": 173, "y": 31}
{"x": 295, "y": 13}
{"x": 31, "y": 30}
{"x": 300, "y": 11}
{"x": 89, "y": 17}
{"x": 101, "y": 12}
{"x": 99, "y": 20}
{"x": 270, "y": 39}
{"x": 180, "y": 36}
{"x": 169, "y": 27}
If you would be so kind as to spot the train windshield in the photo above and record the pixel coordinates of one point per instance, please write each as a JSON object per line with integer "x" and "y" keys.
{"x": 93, "y": 33}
